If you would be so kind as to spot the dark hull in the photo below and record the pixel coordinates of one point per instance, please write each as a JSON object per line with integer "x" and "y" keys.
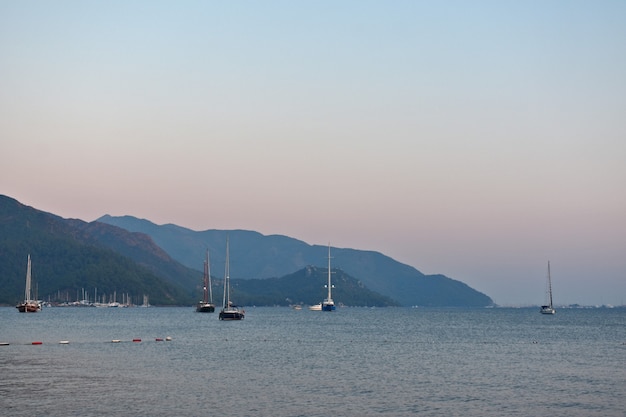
{"x": 28, "y": 307}
{"x": 328, "y": 307}
{"x": 231, "y": 315}
{"x": 205, "y": 308}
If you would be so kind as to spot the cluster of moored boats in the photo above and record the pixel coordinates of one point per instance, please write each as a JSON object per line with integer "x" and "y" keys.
{"x": 229, "y": 310}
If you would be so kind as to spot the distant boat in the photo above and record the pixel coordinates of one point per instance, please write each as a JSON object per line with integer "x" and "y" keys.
{"x": 549, "y": 308}
{"x": 316, "y": 307}
{"x": 114, "y": 303}
{"x": 146, "y": 301}
{"x": 206, "y": 305}
{"x": 328, "y": 304}
{"x": 28, "y": 305}
{"x": 229, "y": 310}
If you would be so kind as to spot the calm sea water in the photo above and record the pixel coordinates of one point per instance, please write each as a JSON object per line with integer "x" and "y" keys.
{"x": 283, "y": 362}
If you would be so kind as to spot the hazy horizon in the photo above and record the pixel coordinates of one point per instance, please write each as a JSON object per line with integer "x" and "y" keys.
{"x": 478, "y": 140}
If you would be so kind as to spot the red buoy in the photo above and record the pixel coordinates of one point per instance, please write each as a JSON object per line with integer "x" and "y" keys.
{"x": 136, "y": 340}
{"x": 159, "y": 339}
{"x": 37, "y": 343}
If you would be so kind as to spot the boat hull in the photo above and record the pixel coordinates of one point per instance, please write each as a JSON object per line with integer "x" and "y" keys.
{"x": 547, "y": 310}
{"x": 328, "y": 307}
{"x": 231, "y": 315}
{"x": 28, "y": 307}
{"x": 205, "y": 308}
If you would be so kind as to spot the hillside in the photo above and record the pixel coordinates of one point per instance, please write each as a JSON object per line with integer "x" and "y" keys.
{"x": 256, "y": 256}
{"x": 72, "y": 255}
{"x": 306, "y": 287}
{"x": 125, "y": 255}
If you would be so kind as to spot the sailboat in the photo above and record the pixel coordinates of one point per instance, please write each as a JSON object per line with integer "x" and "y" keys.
{"x": 229, "y": 311}
{"x": 206, "y": 305}
{"x": 28, "y": 305}
{"x": 549, "y": 308}
{"x": 328, "y": 304}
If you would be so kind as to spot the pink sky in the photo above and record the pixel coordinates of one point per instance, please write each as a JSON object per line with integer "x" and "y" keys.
{"x": 474, "y": 140}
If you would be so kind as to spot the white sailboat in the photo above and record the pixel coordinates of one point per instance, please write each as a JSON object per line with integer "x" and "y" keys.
{"x": 229, "y": 310}
{"x": 206, "y": 305}
{"x": 28, "y": 305}
{"x": 146, "y": 301}
{"x": 113, "y": 302}
{"x": 548, "y": 308}
{"x": 328, "y": 304}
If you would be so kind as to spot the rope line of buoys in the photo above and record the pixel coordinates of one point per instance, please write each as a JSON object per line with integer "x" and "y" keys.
{"x": 138, "y": 340}
{"x": 67, "y": 342}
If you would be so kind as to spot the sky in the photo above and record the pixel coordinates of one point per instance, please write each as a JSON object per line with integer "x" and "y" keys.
{"x": 478, "y": 140}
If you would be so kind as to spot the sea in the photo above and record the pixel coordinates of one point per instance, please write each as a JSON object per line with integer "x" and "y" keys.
{"x": 278, "y": 361}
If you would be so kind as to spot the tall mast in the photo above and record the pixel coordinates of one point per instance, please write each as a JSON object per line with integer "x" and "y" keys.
{"x": 549, "y": 285}
{"x": 209, "y": 275}
{"x": 226, "y": 300}
{"x": 205, "y": 293}
{"x": 28, "y": 279}
{"x": 329, "y": 285}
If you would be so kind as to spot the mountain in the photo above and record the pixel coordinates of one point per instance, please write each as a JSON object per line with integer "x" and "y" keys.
{"x": 126, "y": 255}
{"x": 307, "y": 286}
{"x": 69, "y": 255}
{"x": 256, "y": 256}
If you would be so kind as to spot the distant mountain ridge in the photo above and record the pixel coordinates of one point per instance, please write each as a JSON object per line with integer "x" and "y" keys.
{"x": 256, "y": 256}
{"x": 74, "y": 260}
{"x": 136, "y": 257}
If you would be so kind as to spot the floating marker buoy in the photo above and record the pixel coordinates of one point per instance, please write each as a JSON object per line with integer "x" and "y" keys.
{"x": 158, "y": 339}
{"x": 64, "y": 342}
{"x": 115, "y": 341}
{"x": 36, "y": 343}
{"x": 168, "y": 338}
{"x": 4, "y": 343}
{"x": 136, "y": 340}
